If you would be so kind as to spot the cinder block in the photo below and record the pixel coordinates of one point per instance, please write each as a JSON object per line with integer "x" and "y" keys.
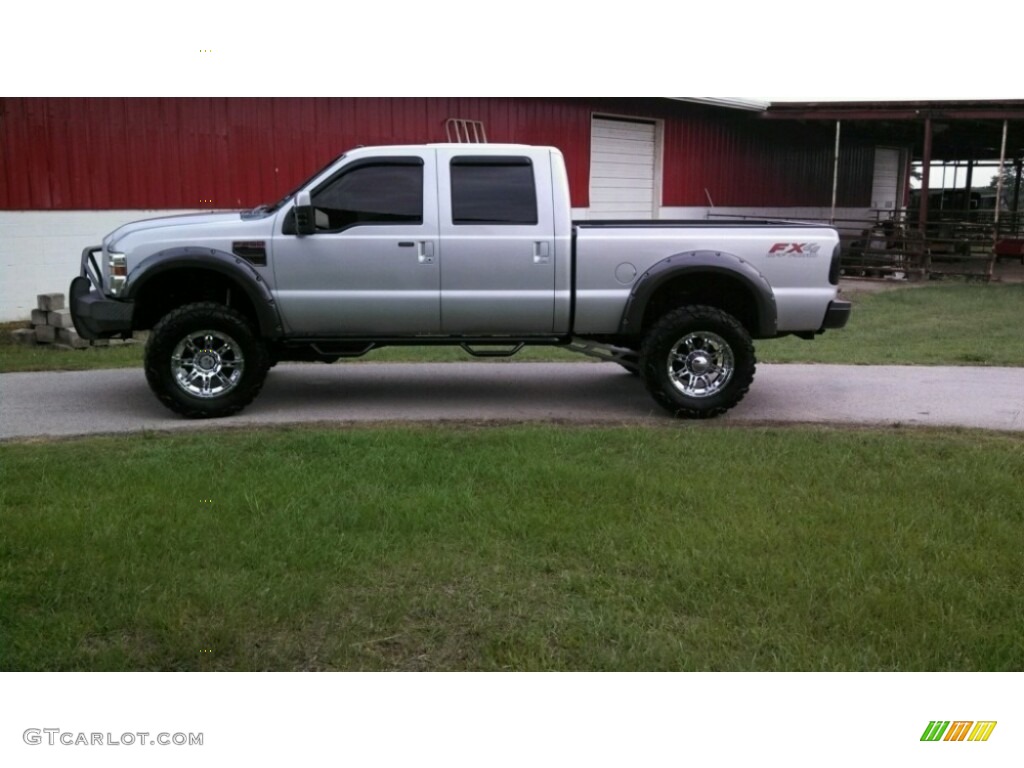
{"x": 46, "y": 334}
{"x": 26, "y": 336}
{"x": 50, "y": 301}
{"x": 71, "y": 338}
{"x": 100, "y": 342}
{"x": 40, "y": 317}
{"x": 60, "y": 318}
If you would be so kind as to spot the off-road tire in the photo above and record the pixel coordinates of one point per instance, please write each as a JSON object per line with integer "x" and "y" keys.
{"x": 234, "y": 336}
{"x": 694, "y": 344}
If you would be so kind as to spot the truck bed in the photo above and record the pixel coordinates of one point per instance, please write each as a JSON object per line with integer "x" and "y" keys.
{"x": 791, "y": 261}
{"x": 695, "y": 223}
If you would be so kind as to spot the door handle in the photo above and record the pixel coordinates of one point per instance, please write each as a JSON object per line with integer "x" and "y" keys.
{"x": 426, "y": 252}
{"x": 541, "y": 252}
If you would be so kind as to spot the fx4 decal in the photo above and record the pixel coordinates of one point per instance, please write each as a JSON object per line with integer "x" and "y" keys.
{"x": 806, "y": 250}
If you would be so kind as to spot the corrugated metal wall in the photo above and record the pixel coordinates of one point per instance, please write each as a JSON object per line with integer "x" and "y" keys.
{"x": 101, "y": 154}
{"x": 223, "y": 153}
{"x": 741, "y": 162}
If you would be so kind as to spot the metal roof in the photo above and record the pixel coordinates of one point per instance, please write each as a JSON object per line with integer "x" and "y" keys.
{"x": 729, "y": 102}
{"x": 961, "y": 130}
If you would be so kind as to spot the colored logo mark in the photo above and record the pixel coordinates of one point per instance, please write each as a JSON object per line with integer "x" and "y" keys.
{"x": 958, "y": 730}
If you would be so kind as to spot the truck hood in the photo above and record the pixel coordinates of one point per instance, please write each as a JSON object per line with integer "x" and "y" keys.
{"x": 186, "y": 220}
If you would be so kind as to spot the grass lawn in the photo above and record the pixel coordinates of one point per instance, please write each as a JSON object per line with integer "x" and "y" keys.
{"x": 690, "y": 547}
{"x": 956, "y": 324}
{"x": 959, "y": 324}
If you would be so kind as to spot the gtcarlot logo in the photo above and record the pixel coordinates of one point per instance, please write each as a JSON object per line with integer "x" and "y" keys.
{"x": 55, "y": 736}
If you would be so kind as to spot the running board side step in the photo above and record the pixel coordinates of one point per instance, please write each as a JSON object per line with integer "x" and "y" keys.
{"x": 500, "y": 352}
{"x": 627, "y": 358}
{"x": 350, "y": 350}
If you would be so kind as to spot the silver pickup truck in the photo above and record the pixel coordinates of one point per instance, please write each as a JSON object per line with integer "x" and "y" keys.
{"x": 466, "y": 244}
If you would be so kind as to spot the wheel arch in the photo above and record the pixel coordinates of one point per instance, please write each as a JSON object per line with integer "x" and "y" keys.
{"x": 711, "y": 278}
{"x": 179, "y": 276}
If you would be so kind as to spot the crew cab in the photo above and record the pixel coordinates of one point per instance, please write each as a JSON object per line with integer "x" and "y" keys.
{"x": 457, "y": 244}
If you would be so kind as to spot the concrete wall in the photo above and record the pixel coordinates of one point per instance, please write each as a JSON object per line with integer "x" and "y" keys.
{"x": 40, "y": 251}
{"x": 794, "y": 213}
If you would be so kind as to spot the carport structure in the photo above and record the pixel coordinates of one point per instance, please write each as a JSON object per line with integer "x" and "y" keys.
{"x": 919, "y": 232}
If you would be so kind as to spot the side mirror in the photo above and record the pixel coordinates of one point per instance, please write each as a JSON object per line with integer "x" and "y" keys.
{"x": 305, "y": 218}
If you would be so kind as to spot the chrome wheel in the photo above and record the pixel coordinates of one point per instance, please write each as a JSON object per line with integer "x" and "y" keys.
{"x": 700, "y": 364}
{"x": 207, "y": 364}
{"x": 697, "y": 361}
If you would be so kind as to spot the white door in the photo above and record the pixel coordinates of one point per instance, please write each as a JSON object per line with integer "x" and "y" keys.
{"x": 622, "y": 169}
{"x": 885, "y": 187}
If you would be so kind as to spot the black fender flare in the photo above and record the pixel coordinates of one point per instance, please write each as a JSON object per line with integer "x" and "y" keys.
{"x": 231, "y": 266}
{"x": 695, "y": 263}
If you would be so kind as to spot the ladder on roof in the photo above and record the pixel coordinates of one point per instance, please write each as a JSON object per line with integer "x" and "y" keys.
{"x": 461, "y": 131}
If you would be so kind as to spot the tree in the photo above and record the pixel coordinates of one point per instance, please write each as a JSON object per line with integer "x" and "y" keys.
{"x": 1009, "y": 177}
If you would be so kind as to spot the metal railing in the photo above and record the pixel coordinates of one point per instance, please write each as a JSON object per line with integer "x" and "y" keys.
{"x": 893, "y": 243}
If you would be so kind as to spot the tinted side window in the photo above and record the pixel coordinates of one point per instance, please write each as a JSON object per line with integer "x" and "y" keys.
{"x": 380, "y": 193}
{"x": 488, "y": 190}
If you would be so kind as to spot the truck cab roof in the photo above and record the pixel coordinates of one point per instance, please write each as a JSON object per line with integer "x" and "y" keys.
{"x": 484, "y": 148}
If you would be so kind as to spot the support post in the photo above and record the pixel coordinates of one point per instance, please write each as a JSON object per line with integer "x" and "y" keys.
{"x": 999, "y": 200}
{"x": 999, "y": 178}
{"x": 908, "y": 167}
{"x": 1016, "y": 189}
{"x": 835, "y": 174}
{"x": 926, "y": 169}
{"x": 922, "y": 211}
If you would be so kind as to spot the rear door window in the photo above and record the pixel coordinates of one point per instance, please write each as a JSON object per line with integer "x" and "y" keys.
{"x": 493, "y": 190}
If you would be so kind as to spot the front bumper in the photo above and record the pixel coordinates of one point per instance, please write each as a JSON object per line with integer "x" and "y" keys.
{"x": 837, "y": 314}
{"x": 95, "y": 316}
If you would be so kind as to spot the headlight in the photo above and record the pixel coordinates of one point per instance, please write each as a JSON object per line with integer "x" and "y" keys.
{"x": 118, "y": 272}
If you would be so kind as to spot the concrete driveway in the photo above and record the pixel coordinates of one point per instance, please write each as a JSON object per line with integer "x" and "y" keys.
{"x": 119, "y": 401}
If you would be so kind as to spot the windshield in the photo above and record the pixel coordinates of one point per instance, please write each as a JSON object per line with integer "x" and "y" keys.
{"x": 286, "y": 198}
